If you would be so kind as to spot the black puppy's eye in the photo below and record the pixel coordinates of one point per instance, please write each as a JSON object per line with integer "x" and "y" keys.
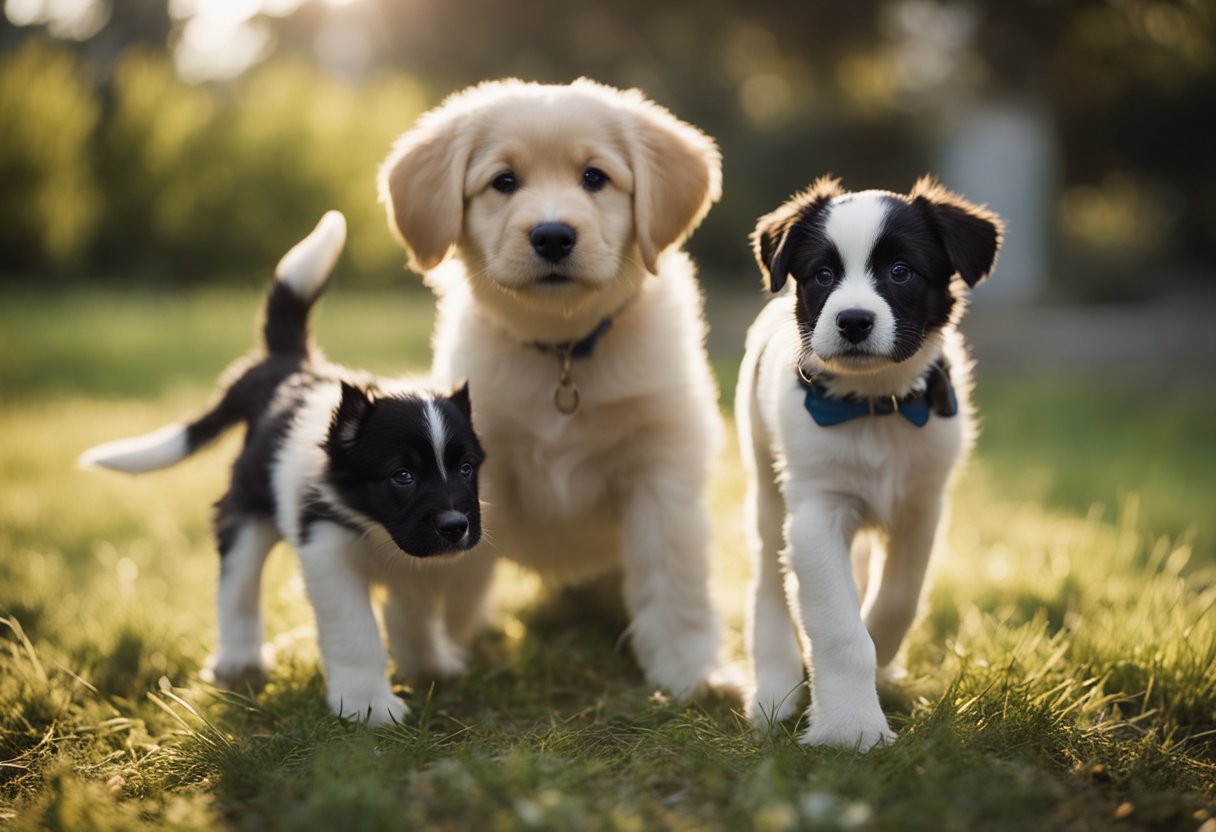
{"x": 505, "y": 183}
{"x": 402, "y": 477}
{"x": 594, "y": 179}
{"x": 825, "y": 276}
{"x": 466, "y": 470}
{"x": 900, "y": 273}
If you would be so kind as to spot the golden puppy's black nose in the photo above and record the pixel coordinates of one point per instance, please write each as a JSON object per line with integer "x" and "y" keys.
{"x": 553, "y": 240}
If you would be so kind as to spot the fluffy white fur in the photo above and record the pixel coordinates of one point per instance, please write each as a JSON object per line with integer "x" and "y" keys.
{"x": 880, "y": 474}
{"x": 136, "y": 454}
{"x": 826, "y": 503}
{"x": 241, "y": 653}
{"x": 308, "y": 264}
{"x": 619, "y": 485}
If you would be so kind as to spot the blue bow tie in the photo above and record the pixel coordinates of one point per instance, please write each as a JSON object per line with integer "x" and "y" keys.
{"x": 937, "y": 397}
{"x": 828, "y": 411}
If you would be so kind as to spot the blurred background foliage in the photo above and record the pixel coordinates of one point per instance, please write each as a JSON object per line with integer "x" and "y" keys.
{"x": 185, "y": 140}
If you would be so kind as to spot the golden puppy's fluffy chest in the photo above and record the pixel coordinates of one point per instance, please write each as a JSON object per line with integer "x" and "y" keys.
{"x": 646, "y": 393}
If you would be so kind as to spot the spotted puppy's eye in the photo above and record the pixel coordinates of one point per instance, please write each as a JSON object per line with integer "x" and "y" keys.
{"x": 594, "y": 179}
{"x": 466, "y": 470}
{"x": 825, "y": 276}
{"x": 505, "y": 183}
{"x": 402, "y": 477}
{"x": 900, "y": 273}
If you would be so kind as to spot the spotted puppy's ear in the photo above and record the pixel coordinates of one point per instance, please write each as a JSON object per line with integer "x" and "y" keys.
{"x": 677, "y": 173}
{"x": 773, "y": 241}
{"x": 421, "y": 183}
{"x": 970, "y": 233}
{"x": 348, "y": 420}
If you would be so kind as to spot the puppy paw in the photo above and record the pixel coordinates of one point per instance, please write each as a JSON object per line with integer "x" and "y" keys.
{"x": 890, "y": 673}
{"x": 686, "y": 669}
{"x": 778, "y": 690}
{"x": 728, "y": 681}
{"x": 440, "y": 661}
{"x": 859, "y": 731}
{"x": 378, "y": 707}
{"x": 765, "y": 709}
{"x": 445, "y": 664}
{"x": 239, "y": 670}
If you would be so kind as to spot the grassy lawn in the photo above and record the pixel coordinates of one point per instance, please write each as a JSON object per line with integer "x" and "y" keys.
{"x": 1062, "y": 676}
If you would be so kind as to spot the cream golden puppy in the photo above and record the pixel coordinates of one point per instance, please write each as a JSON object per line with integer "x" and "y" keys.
{"x": 547, "y": 219}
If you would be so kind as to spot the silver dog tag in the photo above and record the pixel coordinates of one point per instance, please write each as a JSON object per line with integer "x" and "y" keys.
{"x": 566, "y": 397}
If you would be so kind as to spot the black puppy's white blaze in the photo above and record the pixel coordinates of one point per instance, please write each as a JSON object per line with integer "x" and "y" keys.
{"x": 407, "y": 463}
{"x": 438, "y": 430}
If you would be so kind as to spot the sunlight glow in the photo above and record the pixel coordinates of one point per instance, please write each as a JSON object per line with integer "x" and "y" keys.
{"x": 219, "y": 39}
{"x": 213, "y": 40}
{"x": 69, "y": 19}
{"x": 930, "y": 43}
{"x": 211, "y": 49}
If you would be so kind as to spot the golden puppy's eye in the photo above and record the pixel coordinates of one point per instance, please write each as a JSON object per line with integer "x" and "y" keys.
{"x": 594, "y": 179}
{"x": 505, "y": 183}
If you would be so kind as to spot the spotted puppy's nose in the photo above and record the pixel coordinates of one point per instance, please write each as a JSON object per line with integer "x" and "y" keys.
{"x": 855, "y": 325}
{"x": 553, "y": 240}
{"x": 452, "y": 526}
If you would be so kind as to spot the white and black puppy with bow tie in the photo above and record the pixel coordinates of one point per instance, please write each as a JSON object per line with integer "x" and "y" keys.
{"x": 853, "y": 412}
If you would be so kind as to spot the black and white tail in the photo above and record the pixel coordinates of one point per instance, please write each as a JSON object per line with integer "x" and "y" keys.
{"x": 299, "y": 279}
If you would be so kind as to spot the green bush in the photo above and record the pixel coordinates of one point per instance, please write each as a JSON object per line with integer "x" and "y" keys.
{"x": 49, "y": 202}
{"x": 182, "y": 183}
{"x": 222, "y": 180}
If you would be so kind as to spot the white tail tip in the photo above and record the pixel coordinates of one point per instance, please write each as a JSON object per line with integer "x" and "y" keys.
{"x": 309, "y": 262}
{"x": 158, "y": 449}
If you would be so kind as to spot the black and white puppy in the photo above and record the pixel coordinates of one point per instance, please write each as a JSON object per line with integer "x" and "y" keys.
{"x": 853, "y": 412}
{"x": 352, "y": 471}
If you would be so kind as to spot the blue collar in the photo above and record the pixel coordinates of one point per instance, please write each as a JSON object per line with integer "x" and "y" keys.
{"x": 566, "y": 395}
{"x": 937, "y": 397}
{"x": 582, "y": 348}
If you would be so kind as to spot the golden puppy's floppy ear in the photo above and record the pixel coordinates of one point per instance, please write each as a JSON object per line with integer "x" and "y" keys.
{"x": 677, "y": 173}
{"x": 421, "y": 184}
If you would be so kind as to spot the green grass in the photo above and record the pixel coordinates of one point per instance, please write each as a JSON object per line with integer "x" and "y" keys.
{"x": 1061, "y": 677}
{"x": 1074, "y": 444}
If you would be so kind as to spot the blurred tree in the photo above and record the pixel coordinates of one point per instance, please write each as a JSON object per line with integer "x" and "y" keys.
{"x": 49, "y": 205}
{"x": 201, "y": 177}
{"x": 130, "y": 24}
{"x": 863, "y": 89}
{"x": 206, "y": 181}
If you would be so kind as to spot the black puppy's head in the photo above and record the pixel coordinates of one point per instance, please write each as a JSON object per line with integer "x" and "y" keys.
{"x": 409, "y": 463}
{"x": 875, "y": 272}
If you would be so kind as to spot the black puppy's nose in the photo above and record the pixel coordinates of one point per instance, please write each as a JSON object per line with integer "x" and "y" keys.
{"x": 855, "y": 324}
{"x": 452, "y": 526}
{"x": 553, "y": 240}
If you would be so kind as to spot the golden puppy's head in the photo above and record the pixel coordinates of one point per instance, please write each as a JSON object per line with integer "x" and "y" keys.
{"x": 548, "y": 191}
